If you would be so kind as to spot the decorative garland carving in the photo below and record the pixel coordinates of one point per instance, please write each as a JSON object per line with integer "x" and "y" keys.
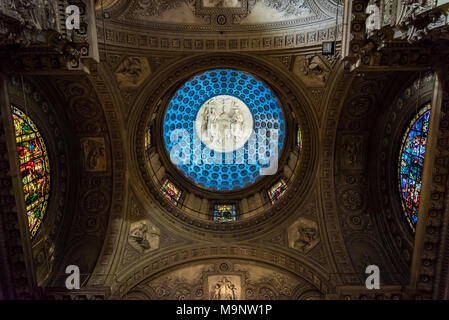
{"x": 144, "y": 271}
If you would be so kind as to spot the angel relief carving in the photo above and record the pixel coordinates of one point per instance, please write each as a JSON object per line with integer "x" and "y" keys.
{"x": 303, "y": 235}
{"x": 352, "y": 150}
{"x": 143, "y": 236}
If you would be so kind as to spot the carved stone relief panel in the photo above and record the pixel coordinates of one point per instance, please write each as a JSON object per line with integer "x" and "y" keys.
{"x": 224, "y": 280}
{"x": 312, "y": 70}
{"x": 132, "y": 72}
{"x": 224, "y": 287}
{"x": 94, "y": 154}
{"x": 265, "y": 284}
{"x": 183, "y": 284}
{"x": 222, "y": 12}
{"x": 352, "y": 152}
{"x": 144, "y": 236}
{"x": 303, "y": 235}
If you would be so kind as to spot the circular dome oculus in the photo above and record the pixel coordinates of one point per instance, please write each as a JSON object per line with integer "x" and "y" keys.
{"x": 224, "y": 129}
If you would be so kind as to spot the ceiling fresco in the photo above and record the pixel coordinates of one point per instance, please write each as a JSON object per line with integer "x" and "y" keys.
{"x": 235, "y": 14}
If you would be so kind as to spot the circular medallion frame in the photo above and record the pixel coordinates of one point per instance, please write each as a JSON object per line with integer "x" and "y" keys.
{"x": 297, "y": 110}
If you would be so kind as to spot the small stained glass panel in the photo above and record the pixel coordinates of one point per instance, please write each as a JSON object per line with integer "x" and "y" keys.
{"x": 277, "y": 191}
{"x": 148, "y": 138}
{"x": 171, "y": 192}
{"x": 411, "y": 163}
{"x": 34, "y": 168}
{"x": 225, "y": 212}
{"x": 299, "y": 139}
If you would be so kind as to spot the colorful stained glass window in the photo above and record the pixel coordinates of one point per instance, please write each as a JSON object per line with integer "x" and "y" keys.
{"x": 299, "y": 139}
{"x": 34, "y": 168}
{"x": 148, "y": 138}
{"x": 171, "y": 192}
{"x": 277, "y": 191}
{"x": 411, "y": 162}
{"x": 225, "y": 212}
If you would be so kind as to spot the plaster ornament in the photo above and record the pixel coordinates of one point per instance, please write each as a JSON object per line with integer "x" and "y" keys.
{"x": 224, "y": 123}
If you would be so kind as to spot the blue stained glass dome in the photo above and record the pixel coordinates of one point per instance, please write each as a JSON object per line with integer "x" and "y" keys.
{"x": 243, "y": 97}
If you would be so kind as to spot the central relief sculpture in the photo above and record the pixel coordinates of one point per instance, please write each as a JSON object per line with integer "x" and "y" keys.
{"x": 224, "y": 123}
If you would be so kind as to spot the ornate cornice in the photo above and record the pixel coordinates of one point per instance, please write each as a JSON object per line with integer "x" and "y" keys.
{"x": 35, "y": 39}
{"x": 117, "y": 35}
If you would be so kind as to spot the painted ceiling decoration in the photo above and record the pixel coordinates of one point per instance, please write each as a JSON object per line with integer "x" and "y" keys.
{"x": 229, "y": 13}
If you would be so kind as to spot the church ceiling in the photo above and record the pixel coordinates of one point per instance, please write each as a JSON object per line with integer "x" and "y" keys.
{"x": 223, "y": 25}
{"x": 205, "y": 15}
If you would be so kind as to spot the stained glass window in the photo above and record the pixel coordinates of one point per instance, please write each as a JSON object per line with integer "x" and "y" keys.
{"x": 411, "y": 162}
{"x": 277, "y": 191}
{"x": 148, "y": 138}
{"x": 34, "y": 168}
{"x": 299, "y": 139}
{"x": 171, "y": 192}
{"x": 225, "y": 212}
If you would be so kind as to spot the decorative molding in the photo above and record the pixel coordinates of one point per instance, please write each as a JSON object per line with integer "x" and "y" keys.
{"x": 340, "y": 260}
{"x": 127, "y": 37}
{"x": 114, "y": 221}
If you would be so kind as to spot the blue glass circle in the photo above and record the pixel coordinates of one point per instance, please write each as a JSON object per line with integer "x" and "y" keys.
{"x": 223, "y": 170}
